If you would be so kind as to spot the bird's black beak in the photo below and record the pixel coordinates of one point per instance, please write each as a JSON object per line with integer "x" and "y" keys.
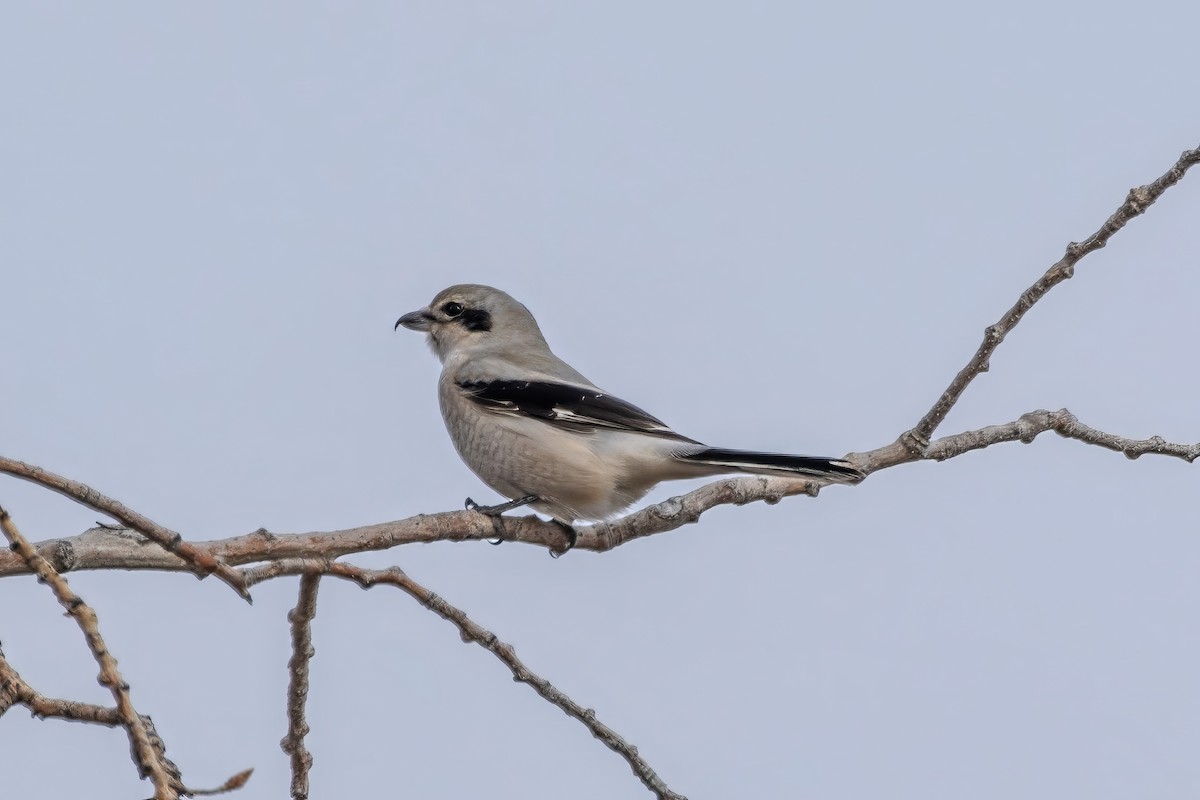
{"x": 416, "y": 320}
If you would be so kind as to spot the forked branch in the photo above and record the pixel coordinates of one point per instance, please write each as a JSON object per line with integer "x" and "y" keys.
{"x": 1136, "y": 203}
{"x": 471, "y": 631}
{"x": 150, "y": 762}
{"x": 198, "y": 561}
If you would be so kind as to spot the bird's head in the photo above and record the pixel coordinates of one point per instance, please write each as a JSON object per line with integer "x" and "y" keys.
{"x": 469, "y": 317}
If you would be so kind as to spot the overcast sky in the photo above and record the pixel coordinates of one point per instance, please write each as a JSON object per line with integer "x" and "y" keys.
{"x": 774, "y": 226}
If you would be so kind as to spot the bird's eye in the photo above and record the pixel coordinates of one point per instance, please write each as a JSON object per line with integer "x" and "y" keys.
{"x": 452, "y": 309}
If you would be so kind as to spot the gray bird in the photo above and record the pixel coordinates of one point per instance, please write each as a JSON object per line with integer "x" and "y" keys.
{"x": 539, "y": 433}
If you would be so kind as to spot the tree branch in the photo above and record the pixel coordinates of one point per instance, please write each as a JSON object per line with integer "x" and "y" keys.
{"x": 199, "y": 561}
{"x": 1066, "y": 425}
{"x": 102, "y": 548}
{"x": 15, "y": 691}
{"x": 470, "y": 631}
{"x": 167, "y": 783}
{"x": 1136, "y": 203}
{"x": 300, "y": 619}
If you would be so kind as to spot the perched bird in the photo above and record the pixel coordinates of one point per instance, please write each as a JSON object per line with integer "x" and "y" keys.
{"x": 539, "y": 433}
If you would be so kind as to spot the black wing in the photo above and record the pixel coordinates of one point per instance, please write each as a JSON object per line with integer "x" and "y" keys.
{"x": 572, "y": 407}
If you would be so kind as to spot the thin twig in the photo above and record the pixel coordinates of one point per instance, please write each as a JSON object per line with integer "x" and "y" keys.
{"x": 470, "y": 631}
{"x": 15, "y": 691}
{"x": 300, "y": 619}
{"x": 200, "y": 562}
{"x": 166, "y": 785}
{"x": 236, "y": 782}
{"x": 1136, "y": 203}
{"x": 1065, "y": 424}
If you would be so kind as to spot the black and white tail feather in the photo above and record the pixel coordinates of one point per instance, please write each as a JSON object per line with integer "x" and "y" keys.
{"x": 829, "y": 469}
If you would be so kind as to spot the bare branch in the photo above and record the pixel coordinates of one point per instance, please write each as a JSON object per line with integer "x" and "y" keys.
{"x": 470, "y": 631}
{"x": 166, "y": 784}
{"x": 1135, "y": 204}
{"x": 1065, "y": 424}
{"x": 102, "y": 548}
{"x": 15, "y": 691}
{"x": 107, "y": 548}
{"x": 201, "y": 562}
{"x": 300, "y": 618}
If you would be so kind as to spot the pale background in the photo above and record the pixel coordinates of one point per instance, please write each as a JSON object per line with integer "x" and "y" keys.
{"x": 775, "y": 226}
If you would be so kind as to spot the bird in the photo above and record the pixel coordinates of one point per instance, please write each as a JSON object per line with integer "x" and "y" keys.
{"x": 539, "y": 433}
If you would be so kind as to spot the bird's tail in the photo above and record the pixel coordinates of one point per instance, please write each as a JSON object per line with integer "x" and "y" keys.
{"x": 830, "y": 469}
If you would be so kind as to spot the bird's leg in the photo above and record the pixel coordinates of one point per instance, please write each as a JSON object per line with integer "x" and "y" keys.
{"x": 498, "y": 522}
{"x": 495, "y": 511}
{"x": 500, "y": 508}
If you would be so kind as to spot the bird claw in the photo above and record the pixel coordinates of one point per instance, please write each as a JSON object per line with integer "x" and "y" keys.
{"x": 571, "y": 535}
{"x": 499, "y": 508}
{"x": 496, "y": 511}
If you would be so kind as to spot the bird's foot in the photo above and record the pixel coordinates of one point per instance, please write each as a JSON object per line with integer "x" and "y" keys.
{"x": 496, "y": 511}
{"x": 500, "y": 508}
{"x": 570, "y": 533}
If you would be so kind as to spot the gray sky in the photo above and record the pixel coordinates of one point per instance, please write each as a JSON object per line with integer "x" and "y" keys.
{"x": 775, "y": 227}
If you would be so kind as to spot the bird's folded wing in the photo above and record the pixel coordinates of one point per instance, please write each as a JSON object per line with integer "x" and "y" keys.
{"x": 577, "y": 408}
